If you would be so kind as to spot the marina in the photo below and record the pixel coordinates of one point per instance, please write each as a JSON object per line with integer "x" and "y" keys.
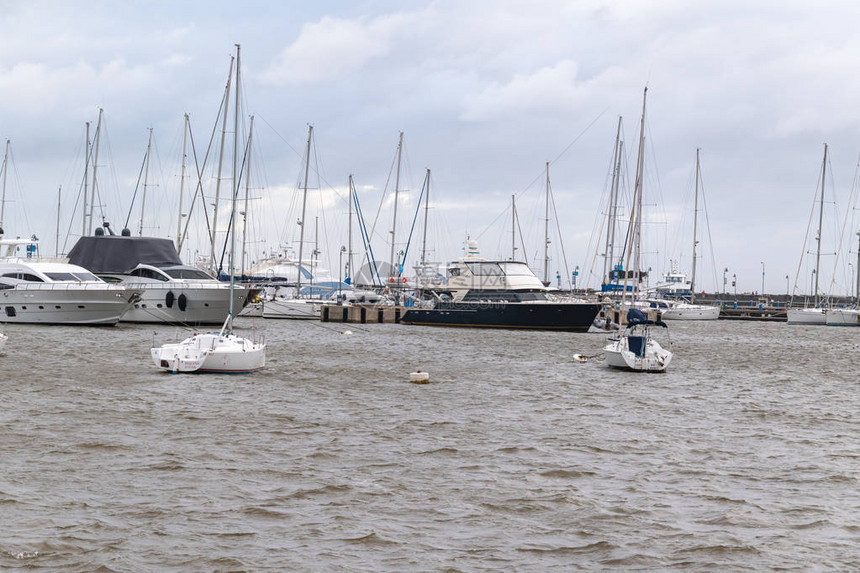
{"x": 429, "y": 286}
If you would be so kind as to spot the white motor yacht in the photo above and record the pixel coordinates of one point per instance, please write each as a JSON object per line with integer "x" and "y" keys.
{"x": 59, "y": 293}
{"x": 170, "y": 291}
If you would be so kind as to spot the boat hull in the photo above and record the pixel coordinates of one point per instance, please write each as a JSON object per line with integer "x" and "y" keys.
{"x": 213, "y": 353}
{"x": 83, "y": 304}
{"x": 806, "y": 316}
{"x": 293, "y": 309}
{"x": 193, "y": 304}
{"x": 655, "y": 358}
{"x": 568, "y": 317}
{"x": 842, "y": 317}
{"x": 691, "y": 312}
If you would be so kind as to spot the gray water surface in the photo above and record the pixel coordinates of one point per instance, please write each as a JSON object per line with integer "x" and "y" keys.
{"x": 744, "y": 456}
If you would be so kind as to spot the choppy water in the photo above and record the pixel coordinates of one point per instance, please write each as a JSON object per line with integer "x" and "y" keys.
{"x": 744, "y": 456}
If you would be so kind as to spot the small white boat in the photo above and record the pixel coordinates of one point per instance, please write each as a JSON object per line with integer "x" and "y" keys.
{"x": 635, "y": 349}
{"x": 842, "y": 317}
{"x": 813, "y": 315}
{"x": 213, "y": 352}
{"x": 687, "y": 311}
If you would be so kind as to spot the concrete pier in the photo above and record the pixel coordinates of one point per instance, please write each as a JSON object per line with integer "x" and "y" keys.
{"x": 362, "y": 314}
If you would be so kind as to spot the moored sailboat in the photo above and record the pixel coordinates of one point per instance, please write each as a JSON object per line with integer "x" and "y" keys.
{"x": 217, "y": 352}
{"x": 635, "y": 349}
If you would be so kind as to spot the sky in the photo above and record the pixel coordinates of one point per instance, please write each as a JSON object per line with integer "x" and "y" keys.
{"x": 486, "y": 93}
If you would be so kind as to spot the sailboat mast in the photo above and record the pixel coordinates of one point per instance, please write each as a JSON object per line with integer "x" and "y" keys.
{"x": 513, "y": 227}
{"x": 181, "y": 187}
{"x": 98, "y": 139}
{"x": 635, "y": 215}
{"x": 316, "y": 252}
{"x": 86, "y": 181}
{"x": 395, "y": 272}
{"x": 145, "y": 183}
{"x": 349, "y": 232}
{"x": 613, "y": 205}
{"x": 857, "y": 287}
{"x": 234, "y": 190}
{"x": 3, "y": 198}
{"x": 695, "y": 229}
{"x": 820, "y": 223}
{"x": 304, "y": 206}
{"x": 59, "y": 203}
{"x": 426, "y": 209}
{"x": 220, "y": 162}
{"x": 247, "y": 189}
{"x": 546, "y": 232}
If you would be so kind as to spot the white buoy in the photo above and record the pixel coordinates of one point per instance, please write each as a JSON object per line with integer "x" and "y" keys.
{"x": 580, "y": 358}
{"x": 419, "y": 377}
{"x": 347, "y": 332}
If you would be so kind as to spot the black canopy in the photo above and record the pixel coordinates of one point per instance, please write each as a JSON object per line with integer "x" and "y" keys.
{"x": 636, "y": 316}
{"x": 116, "y": 254}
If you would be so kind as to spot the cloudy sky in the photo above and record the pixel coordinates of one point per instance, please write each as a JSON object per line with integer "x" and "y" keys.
{"x": 486, "y": 92}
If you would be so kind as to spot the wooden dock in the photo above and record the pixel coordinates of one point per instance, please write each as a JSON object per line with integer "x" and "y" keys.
{"x": 362, "y": 313}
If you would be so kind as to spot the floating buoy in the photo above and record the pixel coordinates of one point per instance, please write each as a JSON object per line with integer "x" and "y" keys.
{"x": 419, "y": 377}
{"x": 580, "y": 358}
{"x": 347, "y": 332}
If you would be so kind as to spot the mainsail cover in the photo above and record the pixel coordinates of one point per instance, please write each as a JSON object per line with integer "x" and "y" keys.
{"x": 117, "y": 254}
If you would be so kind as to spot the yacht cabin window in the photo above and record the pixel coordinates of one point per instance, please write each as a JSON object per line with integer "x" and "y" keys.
{"x": 24, "y": 277}
{"x": 187, "y": 274}
{"x": 485, "y": 269}
{"x": 62, "y": 277}
{"x": 148, "y": 274}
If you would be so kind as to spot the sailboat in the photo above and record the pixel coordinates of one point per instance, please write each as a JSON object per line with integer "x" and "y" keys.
{"x": 634, "y": 348}
{"x": 815, "y": 314}
{"x": 691, "y": 310}
{"x": 217, "y": 352}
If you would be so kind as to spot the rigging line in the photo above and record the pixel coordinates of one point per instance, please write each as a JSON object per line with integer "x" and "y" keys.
{"x": 199, "y": 170}
{"x": 808, "y": 229}
{"x": 384, "y": 191}
{"x": 414, "y": 220}
{"x": 541, "y": 174}
{"x": 18, "y": 187}
{"x": 136, "y": 187}
{"x": 560, "y": 240}
{"x": 234, "y": 195}
{"x": 74, "y": 210}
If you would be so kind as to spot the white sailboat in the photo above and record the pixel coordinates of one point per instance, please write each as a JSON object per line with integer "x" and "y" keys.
{"x": 817, "y": 313}
{"x": 217, "y": 352}
{"x": 634, "y": 348}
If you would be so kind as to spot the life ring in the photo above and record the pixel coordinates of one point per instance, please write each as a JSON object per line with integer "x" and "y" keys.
{"x": 182, "y": 302}
{"x": 168, "y": 300}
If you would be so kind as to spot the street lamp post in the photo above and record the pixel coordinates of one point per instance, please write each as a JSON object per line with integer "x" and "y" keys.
{"x": 575, "y": 274}
{"x": 762, "y": 279}
{"x": 725, "y": 270}
{"x": 735, "y": 283}
{"x": 787, "y": 290}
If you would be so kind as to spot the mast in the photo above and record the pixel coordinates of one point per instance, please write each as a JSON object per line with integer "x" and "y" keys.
{"x": 59, "y": 202}
{"x": 95, "y": 166}
{"x": 220, "y": 161}
{"x": 426, "y": 209}
{"x": 349, "y": 231}
{"x": 234, "y": 190}
{"x": 820, "y": 223}
{"x": 396, "y": 272}
{"x": 304, "y": 206}
{"x": 513, "y": 227}
{"x": 181, "y": 187}
{"x": 86, "y": 181}
{"x": 546, "y": 232}
{"x": 636, "y": 213}
{"x": 695, "y": 223}
{"x": 145, "y": 182}
{"x": 316, "y": 252}
{"x": 247, "y": 187}
{"x": 857, "y": 287}
{"x": 613, "y": 205}
{"x": 3, "y": 198}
